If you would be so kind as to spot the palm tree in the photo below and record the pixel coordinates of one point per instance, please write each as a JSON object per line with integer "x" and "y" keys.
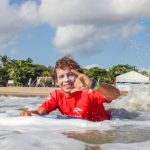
{"x": 4, "y": 60}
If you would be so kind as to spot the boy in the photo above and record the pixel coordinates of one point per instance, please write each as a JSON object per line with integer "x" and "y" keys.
{"x": 76, "y": 98}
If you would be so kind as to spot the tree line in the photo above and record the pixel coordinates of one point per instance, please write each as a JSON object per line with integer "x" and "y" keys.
{"x": 20, "y": 71}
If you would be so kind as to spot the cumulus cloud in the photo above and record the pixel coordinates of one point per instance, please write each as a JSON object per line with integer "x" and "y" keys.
{"x": 58, "y": 12}
{"x": 14, "y": 19}
{"x": 79, "y": 38}
{"x": 82, "y": 26}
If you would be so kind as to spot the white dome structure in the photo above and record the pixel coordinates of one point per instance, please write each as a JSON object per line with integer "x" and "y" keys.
{"x": 131, "y": 79}
{"x": 132, "y": 76}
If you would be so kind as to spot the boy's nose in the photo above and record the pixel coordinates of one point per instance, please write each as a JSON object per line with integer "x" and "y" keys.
{"x": 66, "y": 78}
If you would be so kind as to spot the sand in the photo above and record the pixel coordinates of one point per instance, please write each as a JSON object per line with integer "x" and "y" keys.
{"x": 26, "y": 91}
{"x": 31, "y": 91}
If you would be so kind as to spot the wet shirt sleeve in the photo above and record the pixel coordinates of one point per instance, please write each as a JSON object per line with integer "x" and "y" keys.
{"x": 97, "y": 97}
{"x": 50, "y": 103}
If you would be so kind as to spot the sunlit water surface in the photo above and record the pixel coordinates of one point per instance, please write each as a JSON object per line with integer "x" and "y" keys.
{"x": 128, "y": 130}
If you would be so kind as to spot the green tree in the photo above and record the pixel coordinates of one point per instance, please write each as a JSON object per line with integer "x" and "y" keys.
{"x": 4, "y": 73}
{"x": 97, "y": 73}
{"x": 5, "y": 60}
{"x": 144, "y": 73}
{"x": 120, "y": 69}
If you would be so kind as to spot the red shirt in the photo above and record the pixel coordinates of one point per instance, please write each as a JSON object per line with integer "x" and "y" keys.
{"x": 86, "y": 104}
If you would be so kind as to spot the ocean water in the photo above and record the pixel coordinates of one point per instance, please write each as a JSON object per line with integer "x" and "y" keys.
{"x": 129, "y": 128}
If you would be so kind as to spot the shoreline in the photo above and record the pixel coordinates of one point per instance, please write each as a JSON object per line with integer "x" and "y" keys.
{"x": 32, "y": 91}
{"x": 26, "y": 91}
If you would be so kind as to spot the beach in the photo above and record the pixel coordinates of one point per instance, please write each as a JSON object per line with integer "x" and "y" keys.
{"x": 31, "y": 91}
{"x": 26, "y": 91}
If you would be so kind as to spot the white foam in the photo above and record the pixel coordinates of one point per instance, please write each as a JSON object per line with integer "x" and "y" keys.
{"x": 44, "y": 133}
{"x": 36, "y": 139}
{"x": 136, "y": 100}
{"x": 128, "y": 146}
{"x": 54, "y": 124}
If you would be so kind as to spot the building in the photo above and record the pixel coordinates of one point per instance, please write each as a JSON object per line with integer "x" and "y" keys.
{"x": 132, "y": 79}
{"x": 44, "y": 81}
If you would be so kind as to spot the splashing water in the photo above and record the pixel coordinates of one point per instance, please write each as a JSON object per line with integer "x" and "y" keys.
{"x": 128, "y": 129}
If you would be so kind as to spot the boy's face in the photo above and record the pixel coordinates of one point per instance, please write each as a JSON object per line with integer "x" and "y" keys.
{"x": 66, "y": 79}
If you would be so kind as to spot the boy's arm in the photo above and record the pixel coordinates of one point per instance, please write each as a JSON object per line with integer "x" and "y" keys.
{"x": 109, "y": 91}
{"x": 84, "y": 82}
{"x": 47, "y": 106}
{"x": 39, "y": 111}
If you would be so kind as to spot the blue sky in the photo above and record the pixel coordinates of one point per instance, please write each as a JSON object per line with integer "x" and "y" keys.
{"x": 94, "y": 32}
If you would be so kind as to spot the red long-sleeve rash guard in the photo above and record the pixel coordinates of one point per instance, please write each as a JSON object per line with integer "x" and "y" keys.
{"x": 86, "y": 104}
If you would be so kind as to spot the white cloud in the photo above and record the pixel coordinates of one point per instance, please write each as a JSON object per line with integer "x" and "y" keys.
{"x": 28, "y": 13}
{"x": 58, "y": 12}
{"x": 79, "y": 38}
{"x": 131, "y": 29}
{"x": 82, "y": 26}
{"x": 91, "y": 66}
{"x": 14, "y": 19}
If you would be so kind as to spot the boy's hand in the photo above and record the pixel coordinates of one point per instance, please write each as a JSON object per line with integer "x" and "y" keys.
{"x": 39, "y": 111}
{"x": 25, "y": 113}
{"x": 28, "y": 113}
{"x": 82, "y": 81}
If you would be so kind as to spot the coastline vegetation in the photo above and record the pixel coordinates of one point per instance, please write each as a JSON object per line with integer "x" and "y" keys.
{"x": 20, "y": 71}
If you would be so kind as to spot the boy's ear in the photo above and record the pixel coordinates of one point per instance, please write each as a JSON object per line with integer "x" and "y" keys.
{"x": 56, "y": 82}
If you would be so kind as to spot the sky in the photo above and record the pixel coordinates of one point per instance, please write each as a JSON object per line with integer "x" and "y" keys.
{"x": 101, "y": 33}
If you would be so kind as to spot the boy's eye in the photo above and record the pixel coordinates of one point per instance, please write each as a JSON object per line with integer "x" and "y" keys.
{"x": 71, "y": 74}
{"x": 60, "y": 76}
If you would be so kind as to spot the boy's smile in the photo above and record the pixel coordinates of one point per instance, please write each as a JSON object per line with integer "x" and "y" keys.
{"x": 66, "y": 79}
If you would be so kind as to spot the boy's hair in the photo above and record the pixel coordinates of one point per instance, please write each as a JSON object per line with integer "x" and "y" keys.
{"x": 66, "y": 62}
